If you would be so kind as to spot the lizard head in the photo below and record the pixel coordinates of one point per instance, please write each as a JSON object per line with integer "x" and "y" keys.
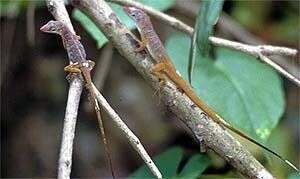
{"x": 136, "y": 14}
{"x": 54, "y": 27}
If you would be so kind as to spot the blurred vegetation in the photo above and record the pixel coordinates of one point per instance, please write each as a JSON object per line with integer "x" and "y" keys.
{"x": 278, "y": 23}
{"x": 169, "y": 164}
{"x": 34, "y": 91}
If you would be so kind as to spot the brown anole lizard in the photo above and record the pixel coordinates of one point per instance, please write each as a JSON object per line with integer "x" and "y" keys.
{"x": 164, "y": 68}
{"x": 79, "y": 64}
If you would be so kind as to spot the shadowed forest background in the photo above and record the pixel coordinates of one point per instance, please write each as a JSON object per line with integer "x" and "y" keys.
{"x": 34, "y": 93}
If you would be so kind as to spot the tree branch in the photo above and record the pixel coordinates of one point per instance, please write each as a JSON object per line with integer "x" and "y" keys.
{"x": 205, "y": 129}
{"x": 261, "y": 51}
{"x": 66, "y": 149}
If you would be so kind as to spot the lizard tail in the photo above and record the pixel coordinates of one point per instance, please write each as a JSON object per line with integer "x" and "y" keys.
{"x": 104, "y": 139}
{"x": 228, "y": 126}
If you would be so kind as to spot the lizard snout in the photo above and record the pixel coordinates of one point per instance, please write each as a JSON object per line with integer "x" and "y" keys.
{"x": 44, "y": 28}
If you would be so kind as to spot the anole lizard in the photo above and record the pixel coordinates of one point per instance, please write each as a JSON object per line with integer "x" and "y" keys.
{"x": 77, "y": 56}
{"x": 164, "y": 68}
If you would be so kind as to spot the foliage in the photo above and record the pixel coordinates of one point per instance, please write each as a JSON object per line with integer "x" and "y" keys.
{"x": 98, "y": 36}
{"x": 169, "y": 162}
{"x": 237, "y": 86}
{"x": 206, "y": 19}
{"x": 12, "y": 8}
{"x": 279, "y": 23}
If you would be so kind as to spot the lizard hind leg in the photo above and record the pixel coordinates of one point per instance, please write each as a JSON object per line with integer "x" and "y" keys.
{"x": 156, "y": 70}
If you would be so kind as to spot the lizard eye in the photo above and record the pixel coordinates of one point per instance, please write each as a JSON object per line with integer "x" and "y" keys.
{"x": 52, "y": 28}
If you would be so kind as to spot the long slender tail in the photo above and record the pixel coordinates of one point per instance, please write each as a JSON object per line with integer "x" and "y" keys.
{"x": 86, "y": 73}
{"x": 104, "y": 139}
{"x": 259, "y": 144}
{"x": 191, "y": 94}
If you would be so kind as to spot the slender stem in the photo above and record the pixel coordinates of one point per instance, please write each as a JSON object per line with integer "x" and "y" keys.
{"x": 172, "y": 21}
{"x": 280, "y": 69}
{"x": 229, "y": 25}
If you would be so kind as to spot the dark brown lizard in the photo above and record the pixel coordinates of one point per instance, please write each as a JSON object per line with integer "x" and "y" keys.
{"x": 79, "y": 64}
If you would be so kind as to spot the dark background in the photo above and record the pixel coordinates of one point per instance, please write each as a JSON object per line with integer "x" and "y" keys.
{"x": 34, "y": 92}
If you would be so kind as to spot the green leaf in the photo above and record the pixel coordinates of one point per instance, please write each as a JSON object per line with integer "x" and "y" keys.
{"x": 98, "y": 36}
{"x": 245, "y": 92}
{"x": 167, "y": 163}
{"x": 195, "y": 166}
{"x": 207, "y": 17}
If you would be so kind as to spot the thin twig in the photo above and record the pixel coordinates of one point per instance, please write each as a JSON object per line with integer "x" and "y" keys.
{"x": 58, "y": 10}
{"x": 205, "y": 130}
{"x": 253, "y": 50}
{"x": 256, "y": 51}
{"x": 229, "y": 25}
{"x": 134, "y": 141}
{"x": 261, "y": 52}
{"x": 172, "y": 21}
{"x": 279, "y": 68}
